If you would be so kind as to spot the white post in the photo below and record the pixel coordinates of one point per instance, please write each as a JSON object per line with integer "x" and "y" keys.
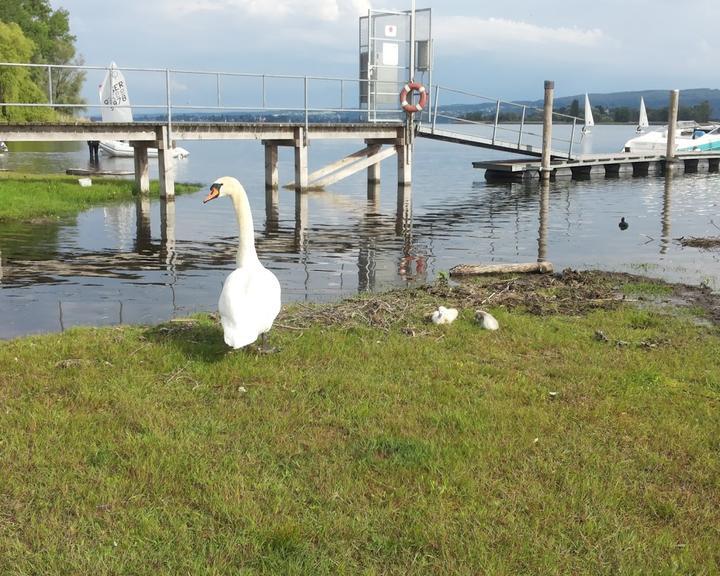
{"x": 672, "y": 126}
{"x": 547, "y": 129}
{"x": 142, "y": 173}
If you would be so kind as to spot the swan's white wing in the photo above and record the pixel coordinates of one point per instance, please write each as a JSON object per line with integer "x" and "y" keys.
{"x": 248, "y": 305}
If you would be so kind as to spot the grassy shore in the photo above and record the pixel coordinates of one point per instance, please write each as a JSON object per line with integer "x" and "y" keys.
{"x": 581, "y": 438}
{"x": 29, "y": 197}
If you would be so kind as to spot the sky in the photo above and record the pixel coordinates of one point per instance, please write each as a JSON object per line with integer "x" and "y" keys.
{"x": 499, "y": 49}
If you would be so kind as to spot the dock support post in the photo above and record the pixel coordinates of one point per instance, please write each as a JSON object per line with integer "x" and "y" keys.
{"x": 142, "y": 172}
{"x": 272, "y": 180}
{"x": 404, "y": 156}
{"x": 404, "y": 166}
{"x": 547, "y": 128}
{"x": 301, "y": 159}
{"x": 166, "y": 172}
{"x": 373, "y": 171}
{"x": 672, "y": 128}
{"x": 166, "y": 164}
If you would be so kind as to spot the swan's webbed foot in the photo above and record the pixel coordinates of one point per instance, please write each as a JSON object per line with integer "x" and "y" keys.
{"x": 264, "y": 348}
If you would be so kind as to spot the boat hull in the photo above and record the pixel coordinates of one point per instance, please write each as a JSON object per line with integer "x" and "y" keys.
{"x": 693, "y": 138}
{"x": 119, "y": 149}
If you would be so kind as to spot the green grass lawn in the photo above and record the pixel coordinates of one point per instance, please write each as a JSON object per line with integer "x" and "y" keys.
{"x": 372, "y": 442}
{"x": 27, "y": 197}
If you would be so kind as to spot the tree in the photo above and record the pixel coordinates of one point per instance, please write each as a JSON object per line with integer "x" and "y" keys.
{"x": 575, "y": 108}
{"x": 16, "y": 83}
{"x": 49, "y": 31}
{"x": 621, "y": 114}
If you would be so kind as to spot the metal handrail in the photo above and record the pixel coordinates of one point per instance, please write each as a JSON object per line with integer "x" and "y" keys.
{"x": 171, "y": 107}
{"x": 496, "y": 124}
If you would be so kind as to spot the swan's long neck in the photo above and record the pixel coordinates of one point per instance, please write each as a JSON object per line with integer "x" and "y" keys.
{"x": 246, "y": 253}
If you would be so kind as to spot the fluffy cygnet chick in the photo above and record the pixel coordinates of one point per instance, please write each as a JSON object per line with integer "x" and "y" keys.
{"x": 486, "y": 320}
{"x": 444, "y": 315}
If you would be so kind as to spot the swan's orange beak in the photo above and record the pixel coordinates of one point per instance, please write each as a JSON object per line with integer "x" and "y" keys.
{"x": 214, "y": 193}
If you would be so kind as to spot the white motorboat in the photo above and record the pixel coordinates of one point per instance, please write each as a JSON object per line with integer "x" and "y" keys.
{"x": 120, "y": 149}
{"x": 116, "y": 107}
{"x": 689, "y": 137}
{"x": 3, "y": 147}
{"x": 589, "y": 121}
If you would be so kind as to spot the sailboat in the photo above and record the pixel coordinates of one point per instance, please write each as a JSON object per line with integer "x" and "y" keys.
{"x": 115, "y": 99}
{"x": 643, "y": 122}
{"x": 589, "y": 122}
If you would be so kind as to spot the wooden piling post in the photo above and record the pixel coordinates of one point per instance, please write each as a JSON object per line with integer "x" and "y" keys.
{"x": 547, "y": 128}
{"x": 672, "y": 127}
{"x": 272, "y": 180}
{"x": 142, "y": 172}
{"x": 166, "y": 163}
{"x": 373, "y": 171}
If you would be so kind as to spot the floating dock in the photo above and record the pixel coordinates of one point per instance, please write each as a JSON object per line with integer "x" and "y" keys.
{"x": 611, "y": 165}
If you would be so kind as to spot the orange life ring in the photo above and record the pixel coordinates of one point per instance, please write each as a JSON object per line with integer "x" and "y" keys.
{"x": 409, "y": 88}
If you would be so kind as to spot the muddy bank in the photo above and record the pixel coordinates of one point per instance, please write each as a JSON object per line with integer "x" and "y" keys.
{"x": 569, "y": 292}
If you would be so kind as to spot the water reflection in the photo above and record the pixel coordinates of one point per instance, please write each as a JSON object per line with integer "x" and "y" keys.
{"x": 146, "y": 261}
{"x": 272, "y": 211}
{"x": 301, "y": 221}
{"x": 403, "y": 218}
{"x": 543, "y": 221}
{"x": 667, "y": 195}
{"x": 167, "y": 233}
{"x": 143, "y": 231}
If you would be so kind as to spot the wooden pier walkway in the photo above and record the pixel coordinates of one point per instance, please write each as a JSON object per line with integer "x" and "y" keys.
{"x": 599, "y": 165}
{"x": 382, "y": 140}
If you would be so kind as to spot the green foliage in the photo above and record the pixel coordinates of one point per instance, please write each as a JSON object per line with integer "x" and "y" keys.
{"x": 16, "y": 84}
{"x": 574, "y": 109}
{"x": 29, "y": 197}
{"x": 49, "y": 30}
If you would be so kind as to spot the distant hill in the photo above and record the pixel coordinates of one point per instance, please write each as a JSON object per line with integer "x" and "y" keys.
{"x": 654, "y": 99}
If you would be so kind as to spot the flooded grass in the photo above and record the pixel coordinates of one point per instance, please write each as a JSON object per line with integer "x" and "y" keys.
{"x": 33, "y": 198}
{"x": 708, "y": 243}
{"x": 372, "y": 442}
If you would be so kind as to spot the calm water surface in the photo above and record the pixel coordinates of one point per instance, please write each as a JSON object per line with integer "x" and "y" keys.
{"x": 143, "y": 262}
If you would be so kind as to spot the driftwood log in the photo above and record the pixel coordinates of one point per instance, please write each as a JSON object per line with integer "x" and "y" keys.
{"x": 478, "y": 269}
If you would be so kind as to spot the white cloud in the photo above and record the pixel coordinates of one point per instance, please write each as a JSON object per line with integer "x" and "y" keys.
{"x": 502, "y": 35}
{"x": 324, "y": 10}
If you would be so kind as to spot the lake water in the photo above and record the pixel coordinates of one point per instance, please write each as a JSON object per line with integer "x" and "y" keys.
{"x": 144, "y": 262}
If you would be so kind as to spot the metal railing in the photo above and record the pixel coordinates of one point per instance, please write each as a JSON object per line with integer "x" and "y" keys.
{"x": 169, "y": 94}
{"x": 511, "y": 121}
{"x": 165, "y": 93}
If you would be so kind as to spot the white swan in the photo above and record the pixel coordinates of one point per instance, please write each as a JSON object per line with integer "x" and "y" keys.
{"x": 250, "y": 298}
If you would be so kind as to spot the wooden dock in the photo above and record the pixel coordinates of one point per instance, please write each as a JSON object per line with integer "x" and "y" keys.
{"x": 599, "y": 166}
{"x": 381, "y": 140}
